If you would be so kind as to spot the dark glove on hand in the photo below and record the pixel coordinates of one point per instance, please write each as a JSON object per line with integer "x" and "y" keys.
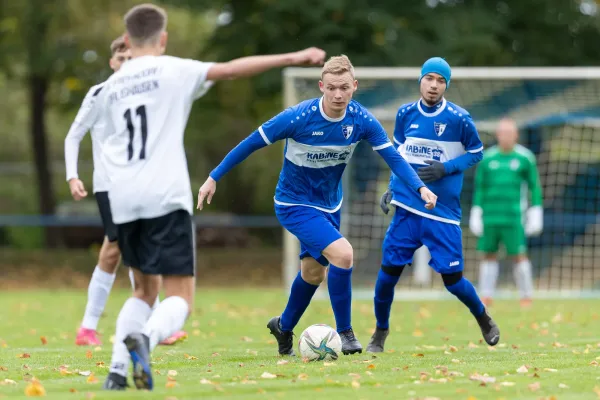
{"x": 434, "y": 171}
{"x": 385, "y": 200}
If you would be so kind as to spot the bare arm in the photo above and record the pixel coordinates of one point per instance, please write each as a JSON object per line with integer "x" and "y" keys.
{"x": 254, "y": 65}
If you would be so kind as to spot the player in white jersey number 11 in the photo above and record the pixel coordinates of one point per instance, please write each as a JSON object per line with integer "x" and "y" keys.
{"x": 147, "y": 104}
{"x": 321, "y": 135}
{"x": 108, "y": 259}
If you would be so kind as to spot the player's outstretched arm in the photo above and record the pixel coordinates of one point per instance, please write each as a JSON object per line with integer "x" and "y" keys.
{"x": 404, "y": 171}
{"x": 242, "y": 151}
{"x": 254, "y": 65}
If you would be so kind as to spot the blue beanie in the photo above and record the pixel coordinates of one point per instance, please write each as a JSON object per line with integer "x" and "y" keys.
{"x": 439, "y": 66}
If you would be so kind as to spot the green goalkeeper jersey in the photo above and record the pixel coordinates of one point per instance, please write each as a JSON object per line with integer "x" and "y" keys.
{"x": 502, "y": 184}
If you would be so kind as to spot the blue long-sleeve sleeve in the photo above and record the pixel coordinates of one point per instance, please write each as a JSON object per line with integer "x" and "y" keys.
{"x": 401, "y": 168}
{"x": 462, "y": 163}
{"x": 246, "y": 147}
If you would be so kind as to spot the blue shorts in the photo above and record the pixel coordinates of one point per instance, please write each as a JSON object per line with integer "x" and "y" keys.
{"x": 314, "y": 229}
{"x": 408, "y": 231}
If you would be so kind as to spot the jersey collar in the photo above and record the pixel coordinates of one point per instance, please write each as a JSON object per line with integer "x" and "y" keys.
{"x": 328, "y": 118}
{"x": 436, "y": 112}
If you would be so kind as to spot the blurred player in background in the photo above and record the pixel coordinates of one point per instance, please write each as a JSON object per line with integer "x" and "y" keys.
{"x": 147, "y": 104}
{"x": 321, "y": 135}
{"x": 108, "y": 259}
{"x": 440, "y": 141}
{"x": 502, "y": 182}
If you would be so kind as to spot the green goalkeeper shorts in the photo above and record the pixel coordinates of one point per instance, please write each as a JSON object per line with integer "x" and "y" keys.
{"x": 511, "y": 236}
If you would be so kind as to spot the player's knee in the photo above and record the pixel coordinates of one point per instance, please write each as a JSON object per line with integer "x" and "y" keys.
{"x": 520, "y": 258}
{"x": 490, "y": 257}
{"x": 314, "y": 276}
{"x": 345, "y": 256}
{"x": 109, "y": 257}
{"x": 452, "y": 279}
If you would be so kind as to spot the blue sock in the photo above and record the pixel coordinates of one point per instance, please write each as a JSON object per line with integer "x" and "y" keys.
{"x": 339, "y": 283}
{"x": 300, "y": 296}
{"x": 466, "y": 293}
{"x": 384, "y": 296}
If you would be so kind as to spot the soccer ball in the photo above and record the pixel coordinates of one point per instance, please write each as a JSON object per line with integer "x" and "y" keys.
{"x": 320, "y": 343}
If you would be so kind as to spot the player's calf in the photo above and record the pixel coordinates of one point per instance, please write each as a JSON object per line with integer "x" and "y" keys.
{"x": 108, "y": 259}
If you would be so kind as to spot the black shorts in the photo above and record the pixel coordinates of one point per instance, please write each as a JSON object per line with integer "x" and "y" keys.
{"x": 164, "y": 245}
{"x": 110, "y": 229}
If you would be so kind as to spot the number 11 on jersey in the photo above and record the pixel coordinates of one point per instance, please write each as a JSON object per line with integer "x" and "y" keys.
{"x": 140, "y": 112}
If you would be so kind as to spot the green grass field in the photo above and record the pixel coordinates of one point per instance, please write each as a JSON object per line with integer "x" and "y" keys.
{"x": 434, "y": 351}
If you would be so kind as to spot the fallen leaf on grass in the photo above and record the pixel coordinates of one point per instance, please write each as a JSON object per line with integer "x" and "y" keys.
{"x": 282, "y": 362}
{"x": 171, "y": 384}
{"x": 371, "y": 366}
{"x": 8, "y": 382}
{"x": 453, "y": 349}
{"x": 35, "y": 389}
{"x": 522, "y": 369}
{"x": 3, "y": 368}
{"x": 247, "y": 382}
{"x": 417, "y": 333}
{"x": 24, "y": 355}
{"x": 303, "y": 377}
{"x": 354, "y": 375}
{"x": 84, "y": 373}
{"x": 355, "y": 384}
{"x": 188, "y": 357}
{"x": 88, "y": 354}
{"x": 99, "y": 363}
{"x": 594, "y": 363}
{"x": 563, "y": 386}
{"x": 205, "y": 382}
{"x": 44, "y": 340}
{"x": 215, "y": 354}
{"x": 328, "y": 364}
{"x": 246, "y": 339}
{"x": 268, "y": 375}
{"x": 507, "y": 384}
{"x": 550, "y": 370}
{"x": 440, "y": 380}
{"x": 172, "y": 373}
{"x": 72, "y": 390}
{"x": 455, "y": 361}
{"x": 92, "y": 379}
{"x": 482, "y": 378}
{"x": 534, "y": 386}
{"x": 418, "y": 355}
{"x": 64, "y": 371}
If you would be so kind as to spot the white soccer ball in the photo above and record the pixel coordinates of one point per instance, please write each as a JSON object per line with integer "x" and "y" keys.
{"x": 320, "y": 343}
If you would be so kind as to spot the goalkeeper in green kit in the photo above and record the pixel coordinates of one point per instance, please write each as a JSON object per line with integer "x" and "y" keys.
{"x": 497, "y": 215}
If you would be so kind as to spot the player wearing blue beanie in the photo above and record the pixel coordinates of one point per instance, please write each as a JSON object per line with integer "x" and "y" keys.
{"x": 440, "y": 141}
{"x": 437, "y": 65}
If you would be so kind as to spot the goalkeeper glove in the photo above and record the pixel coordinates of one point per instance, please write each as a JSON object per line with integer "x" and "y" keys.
{"x": 434, "y": 171}
{"x": 534, "y": 221}
{"x": 386, "y": 198}
{"x": 476, "y": 221}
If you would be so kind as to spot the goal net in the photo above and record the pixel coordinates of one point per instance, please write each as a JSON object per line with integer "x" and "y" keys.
{"x": 558, "y": 113}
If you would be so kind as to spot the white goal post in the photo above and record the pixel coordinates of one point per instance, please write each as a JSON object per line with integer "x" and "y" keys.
{"x": 558, "y": 112}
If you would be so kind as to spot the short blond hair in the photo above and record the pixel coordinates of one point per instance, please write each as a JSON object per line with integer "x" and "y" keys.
{"x": 338, "y": 65}
{"x": 144, "y": 23}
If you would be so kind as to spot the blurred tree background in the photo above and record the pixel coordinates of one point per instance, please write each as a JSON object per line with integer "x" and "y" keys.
{"x": 51, "y": 52}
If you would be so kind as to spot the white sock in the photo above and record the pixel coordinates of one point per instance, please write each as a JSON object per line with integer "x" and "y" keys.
{"x": 488, "y": 275}
{"x": 132, "y": 318}
{"x": 132, "y": 278}
{"x": 167, "y": 319}
{"x": 98, "y": 291}
{"x": 524, "y": 278}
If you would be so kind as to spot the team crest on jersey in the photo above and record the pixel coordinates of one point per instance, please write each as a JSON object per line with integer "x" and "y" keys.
{"x": 347, "y": 130}
{"x": 439, "y": 128}
{"x": 514, "y": 164}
